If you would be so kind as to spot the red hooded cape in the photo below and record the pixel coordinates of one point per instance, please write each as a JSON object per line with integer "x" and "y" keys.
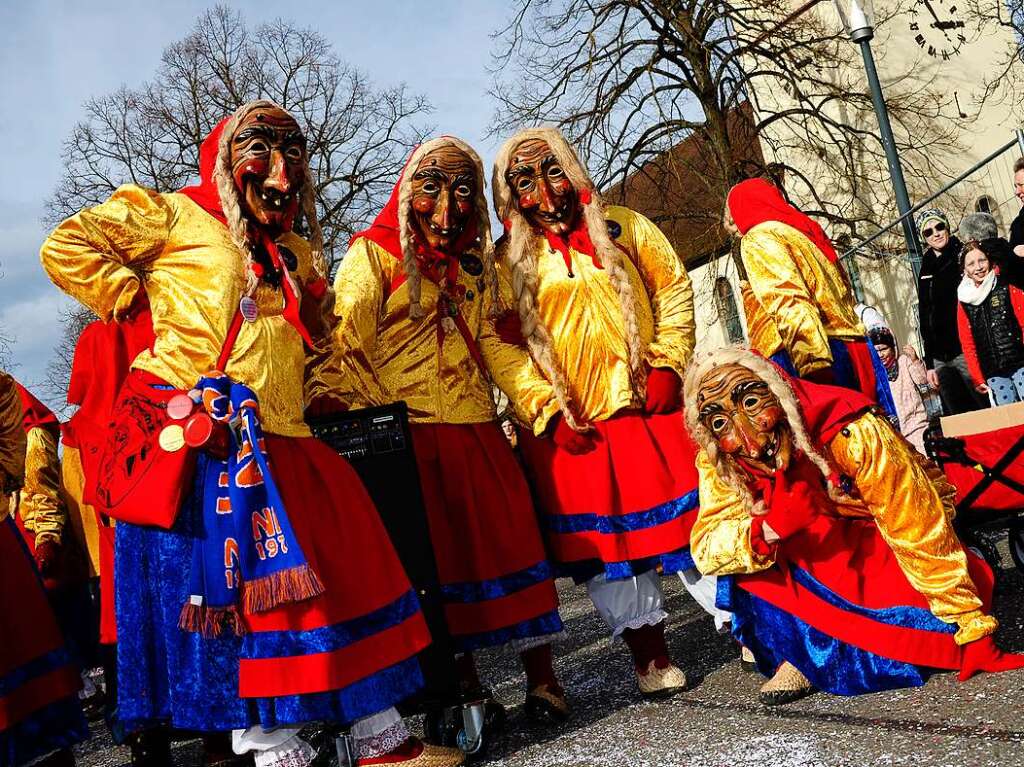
{"x": 756, "y": 200}
{"x": 205, "y": 193}
{"x": 35, "y": 414}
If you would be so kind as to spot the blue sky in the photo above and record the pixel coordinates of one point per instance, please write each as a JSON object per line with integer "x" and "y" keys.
{"x": 58, "y": 54}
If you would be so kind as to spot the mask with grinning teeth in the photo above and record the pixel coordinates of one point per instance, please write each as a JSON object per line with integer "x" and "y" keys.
{"x": 268, "y": 162}
{"x": 744, "y": 417}
{"x": 541, "y": 189}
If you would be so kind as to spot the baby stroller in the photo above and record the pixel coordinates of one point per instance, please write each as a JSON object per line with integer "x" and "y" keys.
{"x": 982, "y": 455}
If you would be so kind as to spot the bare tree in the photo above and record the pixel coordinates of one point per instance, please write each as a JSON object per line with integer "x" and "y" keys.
{"x": 358, "y": 135}
{"x": 685, "y": 97}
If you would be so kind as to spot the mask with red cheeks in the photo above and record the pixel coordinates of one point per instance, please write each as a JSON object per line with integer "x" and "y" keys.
{"x": 268, "y": 162}
{"x": 444, "y": 190}
{"x": 541, "y": 189}
{"x": 744, "y": 417}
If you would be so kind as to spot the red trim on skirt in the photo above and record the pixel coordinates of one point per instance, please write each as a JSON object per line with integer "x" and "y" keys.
{"x": 346, "y": 544}
{"x": 851, "y": 559}
{"x": 38, "y": 693}
{"x": 494, "y": 614}
{"x": 482, "y": 522}
{"x": 641, "y": 462}
{"x": 303, "y": 674}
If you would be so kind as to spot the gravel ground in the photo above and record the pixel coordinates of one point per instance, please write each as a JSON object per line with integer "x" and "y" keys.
{"x": 719, "y": 723}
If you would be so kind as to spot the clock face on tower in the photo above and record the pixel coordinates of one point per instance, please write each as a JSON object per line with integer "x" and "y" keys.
{"x": 938, "y": 28}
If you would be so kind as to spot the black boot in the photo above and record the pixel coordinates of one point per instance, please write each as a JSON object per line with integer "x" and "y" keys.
{"x": 151, "y": 748}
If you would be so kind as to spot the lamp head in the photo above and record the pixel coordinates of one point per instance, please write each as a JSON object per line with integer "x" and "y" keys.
{"x": 858, "y": 17}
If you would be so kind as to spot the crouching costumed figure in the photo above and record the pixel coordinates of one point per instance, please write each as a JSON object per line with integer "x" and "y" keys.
{"x": 416, "y": 295}
{"x": 849, "y": 577}
{"x": 269, "y": 552}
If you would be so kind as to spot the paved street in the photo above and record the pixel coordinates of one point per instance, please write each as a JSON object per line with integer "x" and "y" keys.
{"x": 719, "y": 722}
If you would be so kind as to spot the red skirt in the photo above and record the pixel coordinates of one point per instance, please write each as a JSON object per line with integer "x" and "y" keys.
{"x": 623, "y": 508}
{"x": 496, "y": 582}
{"x": 37, "y": 675}
{"x": 366, "y": 620}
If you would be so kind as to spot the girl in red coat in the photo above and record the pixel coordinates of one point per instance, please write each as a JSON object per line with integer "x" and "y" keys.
{"x": 990, "y": 316}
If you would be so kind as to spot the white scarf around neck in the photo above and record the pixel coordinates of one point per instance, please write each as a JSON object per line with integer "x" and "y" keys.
{"x": 969, "y": 293}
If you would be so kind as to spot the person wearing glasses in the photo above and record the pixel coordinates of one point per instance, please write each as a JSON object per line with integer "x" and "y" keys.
{"x": 937, "y": 308}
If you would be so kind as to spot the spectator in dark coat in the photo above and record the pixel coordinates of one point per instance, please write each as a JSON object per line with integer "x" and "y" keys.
{"x": 1017, "y": 227}
{"x": 937, "y": 306}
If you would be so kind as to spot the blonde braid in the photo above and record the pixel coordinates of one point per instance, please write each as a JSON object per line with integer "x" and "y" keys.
{"x": 316, "y": 234}
{"x": 522, "y": 260}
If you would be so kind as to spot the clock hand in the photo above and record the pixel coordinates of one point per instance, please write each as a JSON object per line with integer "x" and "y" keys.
{"x": 938, "y": 22}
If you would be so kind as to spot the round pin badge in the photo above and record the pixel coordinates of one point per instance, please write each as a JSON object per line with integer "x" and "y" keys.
{"x": 172, "y": 438}
{"x": 179, "y": 407}
{"x": 249, "y": 309}
{"x": 198, "y": 429}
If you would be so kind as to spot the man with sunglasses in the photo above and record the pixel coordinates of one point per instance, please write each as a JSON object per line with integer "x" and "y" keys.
{"x": 937, "y": 302}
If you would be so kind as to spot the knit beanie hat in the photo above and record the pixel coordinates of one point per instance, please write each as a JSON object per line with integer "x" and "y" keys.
{"x": 882, "y": 335}
{"x": 930, "y": 214}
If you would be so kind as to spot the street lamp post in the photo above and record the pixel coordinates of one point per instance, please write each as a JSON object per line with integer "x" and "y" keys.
{"x": 858, "y": 20}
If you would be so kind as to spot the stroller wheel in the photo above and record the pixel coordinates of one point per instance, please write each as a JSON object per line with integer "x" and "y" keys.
{"x": 1015, "y": 537}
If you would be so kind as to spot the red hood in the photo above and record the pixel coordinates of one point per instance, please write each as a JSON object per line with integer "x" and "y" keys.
{"x": 34, "y": 413}
{"x": 205, "y": 194}
{"x": 756, "y": 200}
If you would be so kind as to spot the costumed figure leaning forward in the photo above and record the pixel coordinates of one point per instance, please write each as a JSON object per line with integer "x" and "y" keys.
{"x": 848, "y": 576}
{"x": 296, "y": 607}
{"x": 416, "y": 297}
{"x": 799, "y": 306}
{"x": 605, "y": 309}
{"x": 40, "y": 716}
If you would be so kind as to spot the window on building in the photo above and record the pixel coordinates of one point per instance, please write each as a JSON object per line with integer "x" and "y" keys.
{"x": 986, "y": 204}
{"x": 728, "y": 311}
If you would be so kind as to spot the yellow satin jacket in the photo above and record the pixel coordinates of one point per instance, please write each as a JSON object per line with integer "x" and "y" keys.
{"x": 381, "y": 356}
{"x": 584, "y": 317}
{"x": 908, "y": 497}
{"x": 12, "y": 440}
{"x": 41, "y": 506}
{"x": 796, "y": 299}
{"x": 194, "y": 276}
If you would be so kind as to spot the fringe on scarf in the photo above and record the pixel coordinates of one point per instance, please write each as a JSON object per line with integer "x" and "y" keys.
{"x": 293, "y": 585}
{"x": 211, "y": 622}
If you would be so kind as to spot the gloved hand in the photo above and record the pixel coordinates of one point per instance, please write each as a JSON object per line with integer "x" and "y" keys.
{"x": 572, "y": 442}
{"x": 821, "y": 376}
{"x": 983, "y": 655}
{"x": 46, "y": 554}
{"x": 792, "y": 506}
{"x": 509, "y": 328}
{"x": 663, "y": 391}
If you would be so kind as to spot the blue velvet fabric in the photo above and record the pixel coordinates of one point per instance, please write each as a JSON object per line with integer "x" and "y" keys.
{"x": 278, "y": 644}
{"x": 478, "y": 591}
{"x": 622, "y": 523}
{"x": 904, "y": 616}
{"x": 774, "y": 636}
{"x": 542, "y": 625}
{"x": 36, "y": 667}
{"x": 845, "y": 375}
{"x": 59, "y": 725}
{"x": 167, "y": 675}
{"x": 670, "y": 562}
